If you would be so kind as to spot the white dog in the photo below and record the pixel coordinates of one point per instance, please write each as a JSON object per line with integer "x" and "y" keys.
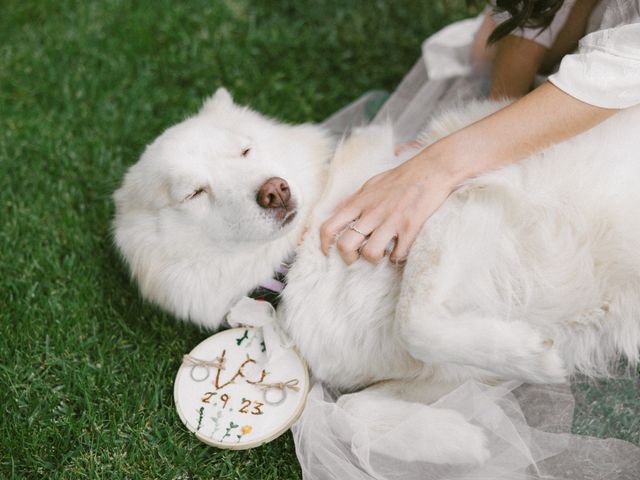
{"x": 530, "y": 272}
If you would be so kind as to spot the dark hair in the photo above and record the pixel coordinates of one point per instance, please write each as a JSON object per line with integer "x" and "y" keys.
{"x": 524, "y": 14}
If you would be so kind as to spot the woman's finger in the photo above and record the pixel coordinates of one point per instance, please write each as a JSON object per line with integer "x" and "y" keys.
{"x": 376, "y": 245}
{"x": 335, "y": 224}
{"x": 405, "y": 239}
{"x": 354, "y": 238}
{"x": 348, "y": 246}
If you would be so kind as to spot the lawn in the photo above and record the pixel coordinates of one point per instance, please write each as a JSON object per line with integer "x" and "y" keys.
{"x": 86, "y": 367}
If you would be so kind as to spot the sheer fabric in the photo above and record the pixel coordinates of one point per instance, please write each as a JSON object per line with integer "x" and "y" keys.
{"x": 528, "y": 428}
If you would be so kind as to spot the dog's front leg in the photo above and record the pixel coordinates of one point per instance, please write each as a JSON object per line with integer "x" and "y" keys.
{"x": 510, "y": 349}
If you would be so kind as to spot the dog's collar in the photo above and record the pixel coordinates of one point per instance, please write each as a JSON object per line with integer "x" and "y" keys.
{"x": 270, "y": 290}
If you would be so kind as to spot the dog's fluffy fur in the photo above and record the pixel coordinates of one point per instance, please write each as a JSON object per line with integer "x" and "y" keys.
{"x": 196, "y": 256}
{"x": 530, "y": 272}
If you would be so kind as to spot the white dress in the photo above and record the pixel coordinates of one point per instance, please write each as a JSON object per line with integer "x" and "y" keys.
{"x": 531, "y": 422}
{"x": 605, "y": 69}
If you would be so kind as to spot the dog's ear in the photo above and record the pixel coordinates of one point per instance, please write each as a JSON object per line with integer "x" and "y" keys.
{"x": 222, "y": 98}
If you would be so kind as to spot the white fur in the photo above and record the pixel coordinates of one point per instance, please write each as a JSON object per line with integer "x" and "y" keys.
{"x": 196, "y": 257}
{"x": 530, "y": 272}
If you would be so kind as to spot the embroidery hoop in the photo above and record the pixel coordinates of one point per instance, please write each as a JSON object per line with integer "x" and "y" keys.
{"x": 228, "y": 337}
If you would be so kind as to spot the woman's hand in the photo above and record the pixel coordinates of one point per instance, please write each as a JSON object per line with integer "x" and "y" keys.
{"x": 390, "y": 206}
{"x": 396, "y": 203}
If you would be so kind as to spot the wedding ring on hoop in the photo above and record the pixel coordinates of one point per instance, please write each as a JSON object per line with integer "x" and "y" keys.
{"x": 206, "y": 364}
{"x": 280, "y": 401}
{"x": 202, "y": 379}
{"x": 352, "y": 226}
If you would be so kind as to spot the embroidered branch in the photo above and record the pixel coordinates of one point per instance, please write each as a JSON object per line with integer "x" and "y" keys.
{"x": 239, "y": 372}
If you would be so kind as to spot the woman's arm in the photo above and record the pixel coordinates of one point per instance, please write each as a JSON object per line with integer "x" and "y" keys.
{"x": 513, "y": 60}
{"x": 512, "y": 63}
{"x": 517, "y": 59}
{"x": 516, "y": 62}
{"x": 396, "y": 203}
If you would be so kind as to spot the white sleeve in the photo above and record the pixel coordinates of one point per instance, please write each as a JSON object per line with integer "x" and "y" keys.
{"x": 545, "y": 37}
{"x": 605, "y": 70}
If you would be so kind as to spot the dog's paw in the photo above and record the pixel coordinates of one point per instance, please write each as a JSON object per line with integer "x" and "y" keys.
{"x": 546, "y": 367}
{"x": 533, "y": 358}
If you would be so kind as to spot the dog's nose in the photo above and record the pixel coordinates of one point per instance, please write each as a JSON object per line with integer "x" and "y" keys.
{"x": 274, "y": 193}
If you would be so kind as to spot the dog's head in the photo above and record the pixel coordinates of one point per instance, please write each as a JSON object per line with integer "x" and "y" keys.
{"x": 214, "y": 204}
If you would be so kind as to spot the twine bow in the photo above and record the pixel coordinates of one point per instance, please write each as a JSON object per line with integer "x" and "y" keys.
{"x": 197, "y": 362}
{"x": 290, "y": 384}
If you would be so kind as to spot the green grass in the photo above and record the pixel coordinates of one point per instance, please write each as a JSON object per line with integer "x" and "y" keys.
{"x": 86, "y": 367}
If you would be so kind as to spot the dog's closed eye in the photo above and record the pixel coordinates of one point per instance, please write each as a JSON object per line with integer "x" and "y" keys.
{"x": 195, "y": 193}
{"x": 245, "y": 151}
